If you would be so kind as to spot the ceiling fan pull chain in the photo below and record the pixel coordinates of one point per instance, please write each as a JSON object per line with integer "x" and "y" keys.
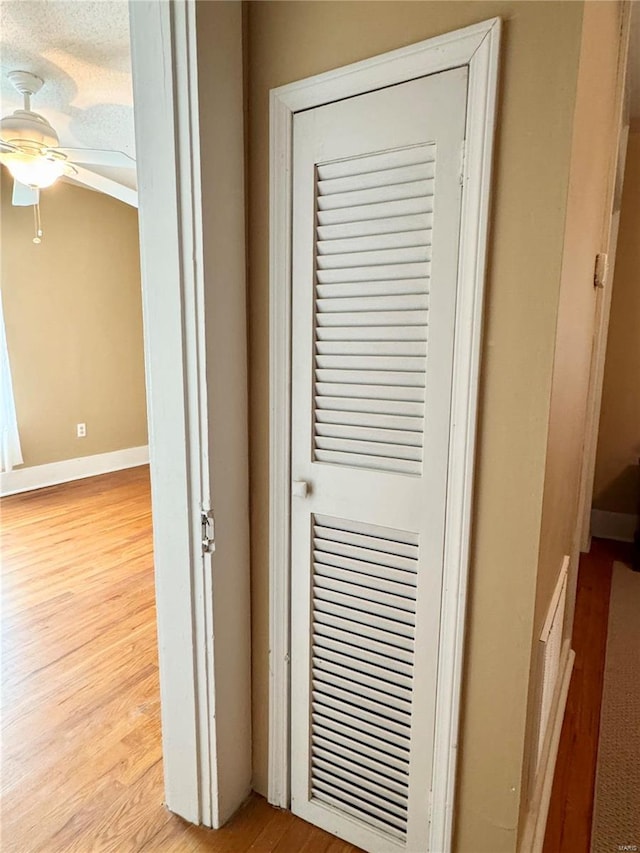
{"x": 38, "y": 224}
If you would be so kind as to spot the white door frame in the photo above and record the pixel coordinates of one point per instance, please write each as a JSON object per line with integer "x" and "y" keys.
{"x": 199, "y": 694}
{"x": 599, "y": 352}
{"x": 477, "y": 47}
{"x": 582, "y": 534}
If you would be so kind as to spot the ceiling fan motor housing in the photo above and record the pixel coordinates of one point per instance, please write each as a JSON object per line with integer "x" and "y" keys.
{"x": 28, "y": 130}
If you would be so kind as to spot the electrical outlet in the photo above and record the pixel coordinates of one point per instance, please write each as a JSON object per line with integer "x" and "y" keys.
{"x": 81, "y": 430}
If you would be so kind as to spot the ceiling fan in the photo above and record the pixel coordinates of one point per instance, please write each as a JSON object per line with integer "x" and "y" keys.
{"x": 29, "y": 147}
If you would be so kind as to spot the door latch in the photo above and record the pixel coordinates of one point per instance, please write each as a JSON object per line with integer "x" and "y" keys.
{"x": 208, "y": 531}
{"x": 300, "y": 488}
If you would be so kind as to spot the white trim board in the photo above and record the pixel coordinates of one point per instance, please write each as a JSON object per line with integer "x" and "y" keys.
{"x": 536, "y": 819}
{"x": 620, "y": 526}
{"x": 477, "y": 48}
{"x": 53, "y": 473}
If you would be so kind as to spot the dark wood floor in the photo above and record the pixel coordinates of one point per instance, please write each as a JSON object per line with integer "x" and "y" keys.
{"x": 80, "y": 738}
{"x": 571, "y": 809}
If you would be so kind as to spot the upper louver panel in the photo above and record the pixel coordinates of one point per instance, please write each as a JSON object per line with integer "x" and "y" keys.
{"x": 374, "y": 220}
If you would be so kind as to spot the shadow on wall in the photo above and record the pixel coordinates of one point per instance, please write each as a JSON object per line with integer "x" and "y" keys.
{"x": 621, "y": 493}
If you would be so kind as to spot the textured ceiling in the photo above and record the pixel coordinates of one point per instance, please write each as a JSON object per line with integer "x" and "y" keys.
{"x": 81, "y": 50}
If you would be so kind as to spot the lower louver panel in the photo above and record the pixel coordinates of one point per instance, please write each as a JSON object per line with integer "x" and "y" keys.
{"x": 363, "y": 622}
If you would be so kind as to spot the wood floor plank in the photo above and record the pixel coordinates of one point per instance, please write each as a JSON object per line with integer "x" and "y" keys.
{"x": 77, "y": 689}
{"x": 118, "y": 720}
{"x": 80, "y": 725}
{"x": 124, "y": 825}
{"x": 272, "y": 832}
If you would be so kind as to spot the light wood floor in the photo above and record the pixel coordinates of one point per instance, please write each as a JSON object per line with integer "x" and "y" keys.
{"x": 81, "y": 762}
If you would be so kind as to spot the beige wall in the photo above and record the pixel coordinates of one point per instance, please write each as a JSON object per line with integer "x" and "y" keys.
{"x": 73, "y": 315}
{"x": 594, "y": 151}
{"x": 616, "y": 482}
{"x": 588, "y": 219}
{"x": 289, "y": 40}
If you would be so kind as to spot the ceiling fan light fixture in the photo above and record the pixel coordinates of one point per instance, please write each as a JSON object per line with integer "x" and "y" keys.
{"x": 30, "y": 149}
{"x": 24, "y": 128}
{"x": 35, "y": 172}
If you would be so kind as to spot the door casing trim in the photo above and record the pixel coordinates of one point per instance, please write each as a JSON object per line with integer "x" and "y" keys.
{"x": 477, "y": 47}
{"x": 202, "y": 598}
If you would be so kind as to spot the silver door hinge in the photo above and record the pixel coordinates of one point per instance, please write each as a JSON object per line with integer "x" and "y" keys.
{"x": 208, "y": 531}
{"x": 463, "y": 161}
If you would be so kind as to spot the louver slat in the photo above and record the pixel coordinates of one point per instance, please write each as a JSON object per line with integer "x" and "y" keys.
{"x": 336, "y": 800}
{"x": 366, "y": 562}
{"x": 377, "y": 162}
{"x": 373, "y": 263}
{"x": 391, "y": 436}
{"x": 386, "y": 739}
{"x": 396, "y": 302}
{"x": 372, "y": 781}
{"x": 377, "y": 178}
{"x": 350, "y": 602}
{"x": 393, "y": 766}
{"x": 382, "y": 194}
{"x": 343, "y": 754}
{"x": 396, "y": 632}
{"x": 374, "y": 419}
{"x": 386, "y": 752}
{"x": 366, "y": 227}
{"x": 331, "y": 691}
{"x": 365, "y": 260}
{"x": 373, "y": 448}
{"x": 335, "y": 407}
{"x": 373, "y": 242}
{"x": 397, "y": 334}
{"x": 354, "y": 787}
{"x": 408, "y": 364}
{"x": 399, "y": 645}
{"x": 402, "y": 287}
{"x": 324, "y": 530}
{"x": 347, "y": 638}
{"x": 363, "y": 616}
{"x": 367, "y": 579}
{"x": 383, "y": 658}
{"x": 377, "y": 463}
{"x": 329, "y": 678}
{"x": 404, "y": 379}
{"x": 375, "y": 272}
{"x": 356, "y": 556}
{"x": 385, "y": 394}
{"x": 380, "y": 210}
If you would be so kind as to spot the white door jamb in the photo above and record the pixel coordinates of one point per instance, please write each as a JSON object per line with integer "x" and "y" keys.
{"x": 162, "y": 34}
{"x": 199, "y": 694}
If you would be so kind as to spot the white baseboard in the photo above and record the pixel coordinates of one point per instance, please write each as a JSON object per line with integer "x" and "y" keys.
{"x": 613, "y": 525}
{"x": 536, "y": 819}
{"x": 41, "y": 476}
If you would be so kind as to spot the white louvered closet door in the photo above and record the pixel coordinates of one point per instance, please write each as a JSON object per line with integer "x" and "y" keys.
{"x": 376, "y": 213}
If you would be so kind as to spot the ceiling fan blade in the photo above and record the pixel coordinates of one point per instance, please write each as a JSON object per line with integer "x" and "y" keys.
{"x": 96, "y": 157}
{"x": 24, "y": 196}
{"x": 7, "y": 147}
